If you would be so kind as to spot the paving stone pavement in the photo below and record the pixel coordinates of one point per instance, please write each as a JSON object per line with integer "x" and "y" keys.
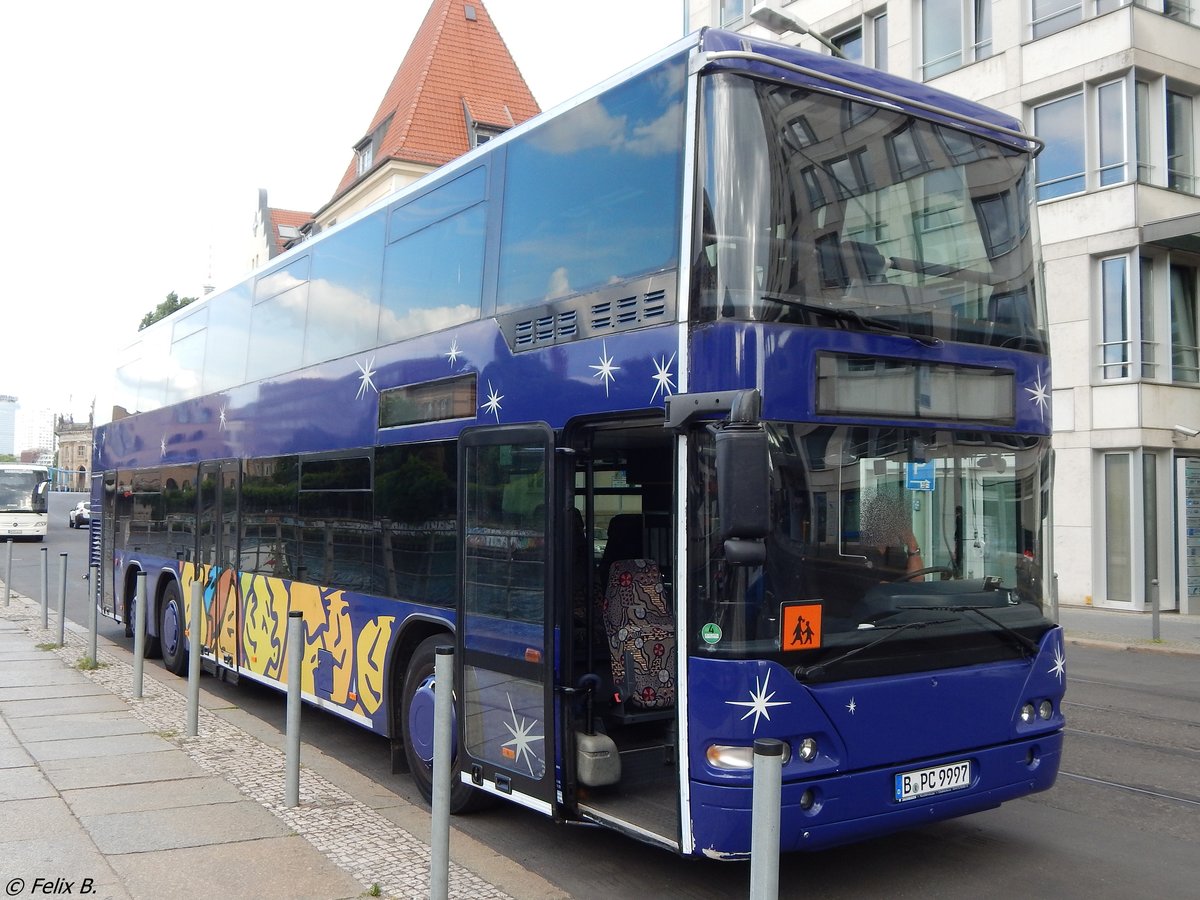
{"x": 137, "y": 826}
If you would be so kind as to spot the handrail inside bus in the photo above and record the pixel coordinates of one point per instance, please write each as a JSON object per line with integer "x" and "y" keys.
{"x": 704, "y": 59}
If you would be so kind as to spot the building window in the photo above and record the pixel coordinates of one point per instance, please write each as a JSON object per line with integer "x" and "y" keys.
{"x": 1061, "y": 166}
{"x": 1114, "y": 316}
{"x": 1146, "y": 305}
{"x": 1110, "y": 104}
{"x": 732, "y": 10}
{"x": 1141, "y": 113}
{"x": 1118, "y": 522}
{"x": 364, "y": 156}
{"x": 1185, "y": 343}
{"x": 864, "y": 41}
{"x": 1181, "y": 175}
{"x": 879, "y": 38}
{"x": 1050, "y": 16}
{"x": 850, "y": 43}
{"x": 953, "y": 34}
{"x": 1180, "y": 10}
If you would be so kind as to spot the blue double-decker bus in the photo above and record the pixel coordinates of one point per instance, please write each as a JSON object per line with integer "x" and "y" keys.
{"x": 711, "y": 406}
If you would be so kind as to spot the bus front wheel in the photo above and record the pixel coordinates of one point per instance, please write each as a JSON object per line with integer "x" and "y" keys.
{"x": 416, "y": 718}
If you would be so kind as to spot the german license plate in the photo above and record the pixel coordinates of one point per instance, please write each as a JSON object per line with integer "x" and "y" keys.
{"x": 937, "y": 780}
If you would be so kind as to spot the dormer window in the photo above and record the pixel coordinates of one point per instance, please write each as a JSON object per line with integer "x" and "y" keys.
{"x": 364, "y": 156}
{"x": 481, "y": 133}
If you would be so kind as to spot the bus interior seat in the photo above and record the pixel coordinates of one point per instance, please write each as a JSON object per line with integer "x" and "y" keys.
{"x": 641, "y": 636}
{"x": 624, "y": 542}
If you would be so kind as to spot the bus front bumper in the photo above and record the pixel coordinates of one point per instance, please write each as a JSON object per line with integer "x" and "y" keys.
{"x": 860, "y": 805}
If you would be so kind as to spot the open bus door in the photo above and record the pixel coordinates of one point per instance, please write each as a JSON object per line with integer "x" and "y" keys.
{"x": 504, "y": 679}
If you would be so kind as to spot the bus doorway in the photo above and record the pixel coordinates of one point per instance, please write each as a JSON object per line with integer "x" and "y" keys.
{"x": 621, "y": 580}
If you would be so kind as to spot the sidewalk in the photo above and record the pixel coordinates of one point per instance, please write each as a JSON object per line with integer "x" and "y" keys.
{"x": 1130, "y": 630}
{"x": 102, "y": 795}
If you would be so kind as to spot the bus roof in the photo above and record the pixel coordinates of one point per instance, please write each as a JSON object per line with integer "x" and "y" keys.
{"x": 725, "y": 49}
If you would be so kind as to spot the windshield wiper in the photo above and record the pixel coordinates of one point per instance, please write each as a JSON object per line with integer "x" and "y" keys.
{"x": 803, "y": 673}
{"x": 866, "y": 323}
{"x": 1029, "y": 646}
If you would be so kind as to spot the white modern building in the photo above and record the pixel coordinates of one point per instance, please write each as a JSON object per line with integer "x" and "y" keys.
{"x": 1112, "y": 87}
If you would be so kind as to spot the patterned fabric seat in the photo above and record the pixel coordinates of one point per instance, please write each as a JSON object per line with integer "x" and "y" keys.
{"x": 641, "y": 634}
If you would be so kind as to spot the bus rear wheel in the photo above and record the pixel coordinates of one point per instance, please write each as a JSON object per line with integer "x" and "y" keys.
{"x": 416, "y": 718}
{"x": 171, "y": 638}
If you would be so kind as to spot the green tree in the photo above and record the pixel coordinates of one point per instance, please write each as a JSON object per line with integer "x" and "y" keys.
{"x": 164, "y": 309}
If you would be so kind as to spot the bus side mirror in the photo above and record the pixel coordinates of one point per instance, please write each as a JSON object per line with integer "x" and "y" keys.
{"x": 42, "y": 487}
{"x": 743, "y": 492}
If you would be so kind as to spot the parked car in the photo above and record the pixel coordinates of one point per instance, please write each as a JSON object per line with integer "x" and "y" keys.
{"x": 81, "y": 515}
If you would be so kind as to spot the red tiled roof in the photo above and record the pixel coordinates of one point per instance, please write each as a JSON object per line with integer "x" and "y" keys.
{"x": 285, "y": 217}
{"x": 452, "y": 59}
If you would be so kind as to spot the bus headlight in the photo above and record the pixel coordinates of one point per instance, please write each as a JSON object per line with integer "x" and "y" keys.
{"x": 730, "y": 756}
{"x": 1027, "y": 713}
{"x": 1045, "y": 710}
{"x": 808, "y": 750}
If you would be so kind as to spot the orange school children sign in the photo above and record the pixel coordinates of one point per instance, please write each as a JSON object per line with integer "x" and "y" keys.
{"x": 800, "y": 626}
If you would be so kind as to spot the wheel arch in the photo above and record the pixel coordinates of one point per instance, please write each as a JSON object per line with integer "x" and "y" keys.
{"x": 415, "y": 631}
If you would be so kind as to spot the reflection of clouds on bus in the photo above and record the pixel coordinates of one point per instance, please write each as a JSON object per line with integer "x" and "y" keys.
{"x": 592, "y": 126}
{"x": 393, "y": 327}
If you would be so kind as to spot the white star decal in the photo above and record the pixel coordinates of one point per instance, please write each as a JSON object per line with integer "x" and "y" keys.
{"x": 454, "y": 353}
{"x": 759, "y": 703}
{"x": 162, "y": 446}
{"x": 1039, "y": 396}
{"x": 521, "y": 738}
{"x": 1060, "y": 664}
{"x": 852, "y": 706}
{"x": 493, "y": 402}
{"x": 365, "y": 380}
{"x": 605, "y": 370}
{"x": 221, "y": 418}
{"x": 662, "y": 377}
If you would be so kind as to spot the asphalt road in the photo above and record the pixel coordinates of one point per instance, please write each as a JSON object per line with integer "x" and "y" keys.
{"x": 1123, "y": 819}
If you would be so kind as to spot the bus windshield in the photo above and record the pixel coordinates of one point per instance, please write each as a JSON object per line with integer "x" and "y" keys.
{"x": 939, "y": 536}
{"x": 821, "y": 210}
{"x": 19, "y": 490}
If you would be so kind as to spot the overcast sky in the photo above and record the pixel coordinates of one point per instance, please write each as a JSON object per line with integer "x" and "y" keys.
{"x": 137, "y": 135}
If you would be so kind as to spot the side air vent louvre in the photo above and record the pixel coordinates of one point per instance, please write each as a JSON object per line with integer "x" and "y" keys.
{"x": 633, "y": 304}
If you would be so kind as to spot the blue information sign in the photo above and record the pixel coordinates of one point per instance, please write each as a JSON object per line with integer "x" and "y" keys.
{"x": 918, "y": 476}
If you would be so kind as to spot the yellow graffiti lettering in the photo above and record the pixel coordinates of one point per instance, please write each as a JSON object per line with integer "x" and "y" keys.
{"x": 373, "y": 643}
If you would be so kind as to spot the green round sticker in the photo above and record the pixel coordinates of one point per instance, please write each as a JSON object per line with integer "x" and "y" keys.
{"x": 711, "y": 633}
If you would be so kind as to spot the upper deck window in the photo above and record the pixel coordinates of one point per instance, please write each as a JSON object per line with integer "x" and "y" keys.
{"x": 875, "y": 222}
{"x": 593, "y": 196}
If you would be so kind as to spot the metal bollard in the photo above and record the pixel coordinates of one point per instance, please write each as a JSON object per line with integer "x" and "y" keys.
{"x": 1154, "y": 633}
{"x": 62, "y": 599}
{"x": 295, "y": 664}
{"x": 45, "y": 589}
{"x": 93, "y": 600}
{"x": 193, "y": 709}
{"x": 764, "y": 812}
{"x": 443, "y": 719}
{"x": 139, "y": 634}
{"x": 8, "y": 573}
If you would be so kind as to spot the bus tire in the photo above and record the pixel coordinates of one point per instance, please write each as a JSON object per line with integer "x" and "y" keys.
{"x": 416, "y": 720}
{"x": 171, "y": 638}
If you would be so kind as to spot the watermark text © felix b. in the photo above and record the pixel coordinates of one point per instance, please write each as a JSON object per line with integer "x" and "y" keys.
{"x": 16, "y": 887}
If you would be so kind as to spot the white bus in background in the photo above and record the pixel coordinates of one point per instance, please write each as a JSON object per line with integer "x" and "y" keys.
{"x": 23, "y": 493}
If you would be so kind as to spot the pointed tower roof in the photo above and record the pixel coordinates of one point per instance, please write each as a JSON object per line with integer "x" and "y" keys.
{"x": 457, "y": 71}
